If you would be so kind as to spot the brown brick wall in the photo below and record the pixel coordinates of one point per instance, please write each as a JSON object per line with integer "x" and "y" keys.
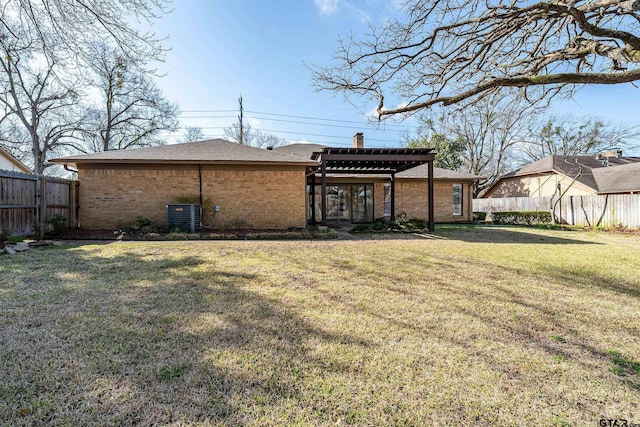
{"x": 411, "y": 197}
{"x": 378, "y": 199}
{"x": 112, "y": 196}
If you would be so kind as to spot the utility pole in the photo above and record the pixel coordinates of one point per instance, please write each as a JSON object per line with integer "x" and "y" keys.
{"x": 241, "y": 121}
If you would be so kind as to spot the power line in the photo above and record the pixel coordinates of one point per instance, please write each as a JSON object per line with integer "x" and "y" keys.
{"x": 323, "y": 119}
{"x": 274, "y": 120}
{"x": 308, "y": 141}
{"x": 208, "y": 117}
{"x": 324, "y": 136}
{"x": 208, "y": 111}
{"x": 276, "y": 131}
{"x": 306, "y": 123}
{"x": 293, "y": 116}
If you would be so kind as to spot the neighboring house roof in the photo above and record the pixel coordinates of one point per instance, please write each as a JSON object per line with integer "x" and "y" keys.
{"x": 10, "y": 161}
{"x": 585, "y": 170}
{"x": 216, "y": 151}
{"x": 619, "y": 179}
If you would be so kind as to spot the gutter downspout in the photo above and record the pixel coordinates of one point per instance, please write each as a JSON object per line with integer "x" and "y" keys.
{"x": 200, "y": 181}
{"x": 67, "y": 168}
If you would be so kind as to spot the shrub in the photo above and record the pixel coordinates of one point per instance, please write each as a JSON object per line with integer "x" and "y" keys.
{"x": 5, "y": 235}
{"x": 57, "y": 225}
{"x": 522, "y": 217}
{"x": 140, "y": 222}
{"x": 382, "y": 224}
{"x": 479, "y": 216}
{"x": 418, "y": 223}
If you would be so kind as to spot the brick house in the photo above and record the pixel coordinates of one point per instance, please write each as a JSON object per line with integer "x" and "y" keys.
{"x": 251, "y": 187}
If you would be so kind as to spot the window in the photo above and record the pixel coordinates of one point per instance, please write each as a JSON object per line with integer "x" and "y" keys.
{"x": 387, "y": 199}
{"x": 457, "y": 199}
{"x": 345, "y": 202}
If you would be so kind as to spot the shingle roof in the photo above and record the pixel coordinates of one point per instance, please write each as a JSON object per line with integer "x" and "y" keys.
{"x": 216, "y": 151}
{"x": 422, "y": 172}
{"x": 596, "y": 173}
{"x": 619, "y": 179}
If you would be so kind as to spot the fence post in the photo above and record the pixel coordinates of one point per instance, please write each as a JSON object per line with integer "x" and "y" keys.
{"x": 43, "y": 207}
{"x": 72, "y": 204}
{"x": 573, "y": 215}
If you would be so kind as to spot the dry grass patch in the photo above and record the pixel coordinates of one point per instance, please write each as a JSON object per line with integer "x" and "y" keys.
{"x": 499, "y": 326}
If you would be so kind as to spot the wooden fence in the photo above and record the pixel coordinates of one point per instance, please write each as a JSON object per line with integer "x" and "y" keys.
{"x": 26, "y": 201}
{"x": 609, "y": 210}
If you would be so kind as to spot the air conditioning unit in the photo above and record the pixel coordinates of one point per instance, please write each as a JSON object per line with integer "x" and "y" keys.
{"x": 183, "y": 217}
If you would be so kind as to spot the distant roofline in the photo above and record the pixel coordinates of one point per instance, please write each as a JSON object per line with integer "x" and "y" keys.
{"x": 181, "y": 154}
{"x": 19, "y": 164}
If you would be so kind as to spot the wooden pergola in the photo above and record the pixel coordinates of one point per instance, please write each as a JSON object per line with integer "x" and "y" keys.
{"x": 378, "y": 161}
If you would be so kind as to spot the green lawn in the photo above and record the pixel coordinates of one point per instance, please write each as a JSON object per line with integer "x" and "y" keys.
{"x": 483, "y": 326}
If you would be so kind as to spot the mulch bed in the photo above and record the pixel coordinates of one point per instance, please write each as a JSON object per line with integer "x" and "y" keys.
{"x": 145, "y": 235}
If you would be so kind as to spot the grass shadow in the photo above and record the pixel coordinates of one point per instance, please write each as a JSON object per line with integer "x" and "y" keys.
{"x": 132, "y": 336}
{"x": 507, "y": 234}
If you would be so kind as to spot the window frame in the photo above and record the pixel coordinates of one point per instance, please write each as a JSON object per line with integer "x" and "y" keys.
{"x": 386, "y": 204}
{"x": 458, "y": 206}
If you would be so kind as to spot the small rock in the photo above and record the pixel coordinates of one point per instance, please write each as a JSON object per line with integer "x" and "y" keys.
{"x": 9, "y": 250}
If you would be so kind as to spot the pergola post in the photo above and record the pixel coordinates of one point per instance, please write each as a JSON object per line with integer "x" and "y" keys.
{"x": 324, "y": 192}
{"x": 393, "y": 197}
{"x": 432, "y": 223}
{"x": 313, "y": 198}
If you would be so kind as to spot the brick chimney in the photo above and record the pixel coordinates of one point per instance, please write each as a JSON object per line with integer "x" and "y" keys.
{"x": 358, "y": 140}
{"x": 612, "y": 153}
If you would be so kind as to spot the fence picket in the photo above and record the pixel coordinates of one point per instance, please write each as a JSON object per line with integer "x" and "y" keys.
{"x": 19, "y": 201}
{"x": 615, "y": 209}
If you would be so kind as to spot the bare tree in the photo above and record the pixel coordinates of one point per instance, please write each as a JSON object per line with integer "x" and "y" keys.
{"x": 570, "y": 135}
{"x": 75, "y": 24}
{"x": 133, "y": 113}
{"x": 486, "y": 134}
{"x": 251, "y": 136}
{"x": 40, "y": 107}
{"x": 456, "y": 51}
{"x": 265, "y": 139}
{"x": 240, "y": 134}
{"x": 192, "y": 134}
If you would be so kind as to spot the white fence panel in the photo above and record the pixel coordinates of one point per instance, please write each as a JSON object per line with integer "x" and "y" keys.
{"x": 610, "y": 210}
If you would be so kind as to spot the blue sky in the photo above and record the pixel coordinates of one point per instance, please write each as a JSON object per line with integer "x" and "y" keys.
{"x": 222, "y": 49}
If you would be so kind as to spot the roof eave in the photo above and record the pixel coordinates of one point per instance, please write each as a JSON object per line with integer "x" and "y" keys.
{"x": 604, "y": 193}
{"x": 76, "y": 161}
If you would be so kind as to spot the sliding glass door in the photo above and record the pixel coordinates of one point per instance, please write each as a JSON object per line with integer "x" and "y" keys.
{"x": 346, "y": 203}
